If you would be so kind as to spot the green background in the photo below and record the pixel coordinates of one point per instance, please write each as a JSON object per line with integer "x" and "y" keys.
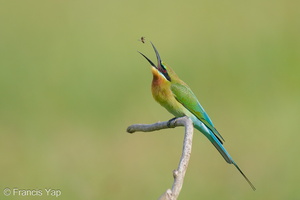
{"x": 71, "y": 81}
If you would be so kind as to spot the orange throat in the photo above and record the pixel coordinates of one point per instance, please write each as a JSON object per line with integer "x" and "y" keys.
{"x": 157, "y": 78}
{"x": 160, "y": 87}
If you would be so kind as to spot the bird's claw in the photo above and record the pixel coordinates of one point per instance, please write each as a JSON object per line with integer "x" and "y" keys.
{"x": 171, "y": 121}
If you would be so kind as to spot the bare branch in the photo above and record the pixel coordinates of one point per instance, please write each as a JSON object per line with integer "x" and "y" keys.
{"x": 179, "y": 173}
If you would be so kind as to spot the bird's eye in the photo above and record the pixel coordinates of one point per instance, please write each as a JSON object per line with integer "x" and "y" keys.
{"x": 164, "y": 70}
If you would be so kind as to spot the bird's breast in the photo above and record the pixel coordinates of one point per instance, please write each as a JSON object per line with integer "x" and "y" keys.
{"x": 161, "y": 91}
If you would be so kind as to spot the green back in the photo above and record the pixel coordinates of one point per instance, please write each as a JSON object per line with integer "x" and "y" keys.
{"x": 186, "y": 97}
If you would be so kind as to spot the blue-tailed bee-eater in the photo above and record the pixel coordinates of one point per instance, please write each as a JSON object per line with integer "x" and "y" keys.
{"x": 177, "y": 97}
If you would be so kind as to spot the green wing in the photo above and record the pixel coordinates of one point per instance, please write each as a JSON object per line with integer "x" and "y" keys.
{"x": 186, "y": 97}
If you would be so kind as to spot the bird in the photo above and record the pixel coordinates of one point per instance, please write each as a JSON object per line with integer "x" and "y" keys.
{"x": 177, "y": 97}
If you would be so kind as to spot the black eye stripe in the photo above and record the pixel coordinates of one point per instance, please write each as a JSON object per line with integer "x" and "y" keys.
{"x": 164, "y": 71}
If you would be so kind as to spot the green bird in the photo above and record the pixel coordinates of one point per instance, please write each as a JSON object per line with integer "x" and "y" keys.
{"x": 177, "y": 97}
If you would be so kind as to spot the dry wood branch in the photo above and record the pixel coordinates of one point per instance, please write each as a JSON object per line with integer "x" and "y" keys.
{"x": 179, "y": 173}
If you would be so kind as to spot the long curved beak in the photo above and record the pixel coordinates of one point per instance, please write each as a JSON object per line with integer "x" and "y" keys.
{"x": 148, "y": 59}
{"x": 157, "y": 56}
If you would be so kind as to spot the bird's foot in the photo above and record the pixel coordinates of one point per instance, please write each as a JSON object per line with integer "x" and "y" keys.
{"x": 173, "y": 120}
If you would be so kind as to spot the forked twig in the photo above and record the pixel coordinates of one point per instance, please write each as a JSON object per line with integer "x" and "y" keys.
{"x": 179, "y": 173}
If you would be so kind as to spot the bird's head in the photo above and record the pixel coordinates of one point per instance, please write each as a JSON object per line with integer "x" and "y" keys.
{"x": 161, "y": 68}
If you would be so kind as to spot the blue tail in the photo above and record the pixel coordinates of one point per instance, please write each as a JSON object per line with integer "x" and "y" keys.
{"x": 218, "y": 145}
{"x": 211, "y": 137}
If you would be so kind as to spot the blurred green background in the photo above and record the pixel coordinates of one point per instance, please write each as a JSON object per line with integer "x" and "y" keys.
{"x": 71, "y": 82}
